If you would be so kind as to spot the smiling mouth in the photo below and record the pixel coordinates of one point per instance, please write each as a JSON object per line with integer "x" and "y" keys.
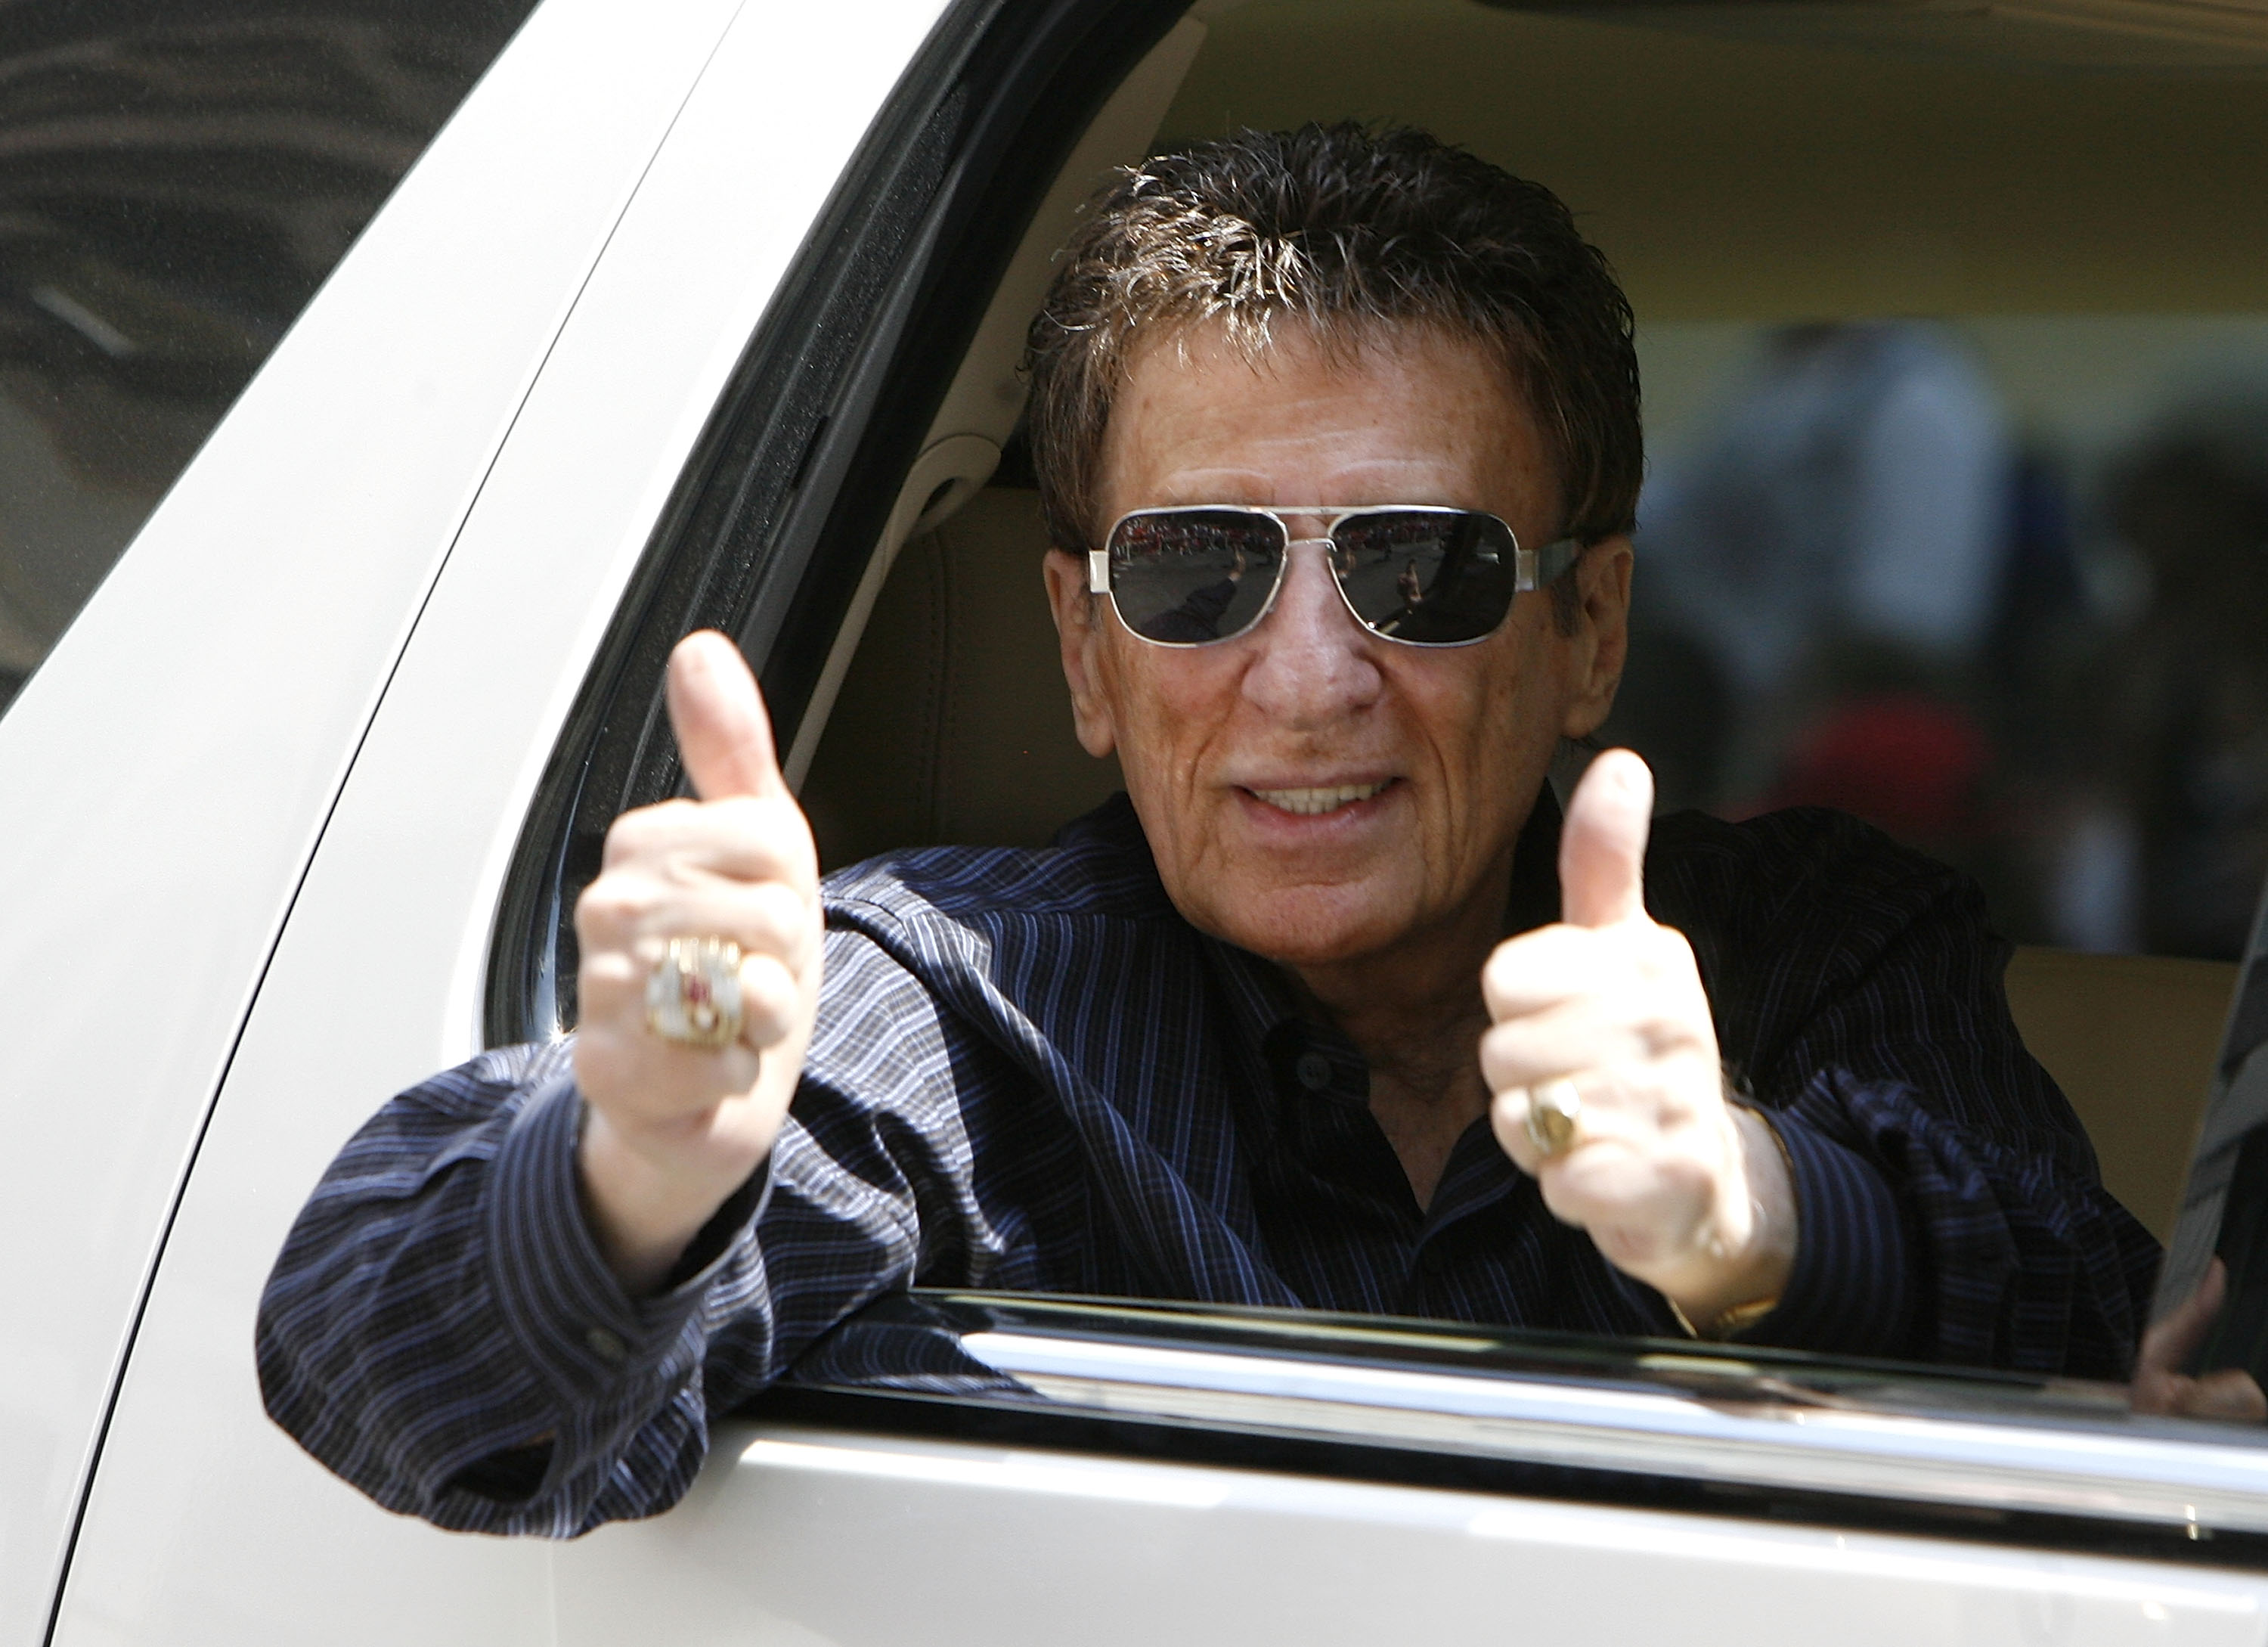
{"x": 1312, "y": 802}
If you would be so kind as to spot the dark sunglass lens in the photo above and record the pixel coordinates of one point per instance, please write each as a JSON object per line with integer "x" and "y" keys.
{"x": 1187, "y": 576}
{"x": 1434, "y": 577}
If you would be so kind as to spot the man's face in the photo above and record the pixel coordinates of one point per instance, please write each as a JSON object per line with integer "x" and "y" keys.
{"x": 1441, "y": 750}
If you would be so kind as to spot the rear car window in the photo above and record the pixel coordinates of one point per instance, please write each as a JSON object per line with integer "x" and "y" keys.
{"x": 175, "y": 184}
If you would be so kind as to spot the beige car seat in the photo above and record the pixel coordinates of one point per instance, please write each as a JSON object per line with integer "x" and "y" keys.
{"x": 2132, "y": 1040}
{"x": 954, "y": 725}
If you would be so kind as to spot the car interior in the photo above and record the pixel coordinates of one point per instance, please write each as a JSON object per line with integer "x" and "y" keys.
{"x": 2036, "y": 173}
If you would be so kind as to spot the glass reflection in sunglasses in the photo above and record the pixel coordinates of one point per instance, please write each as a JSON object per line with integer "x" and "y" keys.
{"x": 1421, "y": 574}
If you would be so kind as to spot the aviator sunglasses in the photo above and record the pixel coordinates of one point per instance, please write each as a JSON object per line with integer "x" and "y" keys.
{"x": 1418, "y": 573}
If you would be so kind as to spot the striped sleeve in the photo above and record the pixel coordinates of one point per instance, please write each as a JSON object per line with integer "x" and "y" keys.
{"x": 1852, "y": 1289}
{"x": 1862, "y": 998}
{"x": 441, "y": 1331}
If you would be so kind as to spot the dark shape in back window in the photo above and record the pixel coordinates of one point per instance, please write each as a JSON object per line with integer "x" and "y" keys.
{"x": 175, "y": 183}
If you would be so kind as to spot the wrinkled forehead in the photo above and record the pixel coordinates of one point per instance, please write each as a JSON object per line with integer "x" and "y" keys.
{"x": 1384, "y": 413}
{"x": 1292, "y": 344}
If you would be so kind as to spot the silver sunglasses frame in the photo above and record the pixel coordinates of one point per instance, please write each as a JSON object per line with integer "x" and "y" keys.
{"x": 1531, "y": 569}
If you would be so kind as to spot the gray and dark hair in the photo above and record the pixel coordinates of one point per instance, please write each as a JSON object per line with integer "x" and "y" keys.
{"x": 1346, "y": 230}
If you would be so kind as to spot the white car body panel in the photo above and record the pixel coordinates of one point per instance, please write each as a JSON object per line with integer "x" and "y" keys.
{"x": 166, "y": 774}
{"x": 217, "y": 1527}
{"x": 1000, "y": 1547}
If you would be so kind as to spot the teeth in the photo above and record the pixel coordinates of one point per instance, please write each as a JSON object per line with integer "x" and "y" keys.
{"x": 1308, "y": 802}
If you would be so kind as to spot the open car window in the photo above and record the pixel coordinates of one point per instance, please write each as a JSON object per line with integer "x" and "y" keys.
{"x": 1928, "y": 317}
{"x": 178, "y": 180}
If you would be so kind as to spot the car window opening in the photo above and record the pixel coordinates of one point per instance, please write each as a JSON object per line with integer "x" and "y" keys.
{"x": 1944, "y": 522}
{"x": 1965, "y": 733}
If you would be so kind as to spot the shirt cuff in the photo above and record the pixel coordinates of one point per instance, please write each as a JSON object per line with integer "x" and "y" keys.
{"x": 581, "y": 1333}
{"x": 1850, "y": 1291}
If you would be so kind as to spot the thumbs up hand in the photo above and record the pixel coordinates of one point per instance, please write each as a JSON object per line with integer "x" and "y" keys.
{"x": 1605, "y": 1081}
{"x": 673, "y": 1128}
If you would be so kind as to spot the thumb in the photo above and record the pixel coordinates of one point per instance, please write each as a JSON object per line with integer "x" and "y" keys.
{"x": 718, "y": 716}
{"x": 1602, "y": 843}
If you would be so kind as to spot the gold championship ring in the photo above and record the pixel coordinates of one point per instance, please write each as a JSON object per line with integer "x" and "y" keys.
{"x": 693, "y": 994}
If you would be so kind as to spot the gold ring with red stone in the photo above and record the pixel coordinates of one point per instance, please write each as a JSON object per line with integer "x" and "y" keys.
{"x": 693, "y": 994}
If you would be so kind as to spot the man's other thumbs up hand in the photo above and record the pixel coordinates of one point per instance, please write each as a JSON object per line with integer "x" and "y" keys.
{"x": 1602, "y": 1032}
{"x": 1602, "y": 843}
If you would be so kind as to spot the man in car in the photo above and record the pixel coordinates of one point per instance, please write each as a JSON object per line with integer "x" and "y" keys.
{"x": 1337, "y": 435}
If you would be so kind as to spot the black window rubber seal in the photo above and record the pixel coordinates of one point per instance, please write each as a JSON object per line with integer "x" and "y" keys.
{"x": 770, "y": 526}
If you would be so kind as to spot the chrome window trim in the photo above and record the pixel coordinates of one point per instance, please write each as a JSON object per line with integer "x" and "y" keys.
{"x": 2058, "y": 1468}
{"x": 1969, "y": 1450}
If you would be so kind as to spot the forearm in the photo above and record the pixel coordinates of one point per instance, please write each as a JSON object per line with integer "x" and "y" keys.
{"x": 645, "y": 1209}
{"x": 669, "y": 1133}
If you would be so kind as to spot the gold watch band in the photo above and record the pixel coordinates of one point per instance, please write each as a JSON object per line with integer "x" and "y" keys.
{"x": 1726, "y": 1322}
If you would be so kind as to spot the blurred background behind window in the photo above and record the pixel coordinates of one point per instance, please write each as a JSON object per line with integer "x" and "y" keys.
{"x": 175, "y": 182}
{"x": 1999, "y": 586}
{"x": 1954, "y": 341}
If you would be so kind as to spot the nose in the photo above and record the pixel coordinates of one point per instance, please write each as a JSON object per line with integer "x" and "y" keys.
{"x": 1314, "y": 664}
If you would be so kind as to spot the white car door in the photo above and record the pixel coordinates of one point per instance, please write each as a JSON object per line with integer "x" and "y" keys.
{"x": 165, "y": 775}
{"x": 468, "y": 358}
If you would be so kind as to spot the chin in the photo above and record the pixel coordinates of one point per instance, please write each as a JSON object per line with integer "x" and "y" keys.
{"x": 1310, "y": 926}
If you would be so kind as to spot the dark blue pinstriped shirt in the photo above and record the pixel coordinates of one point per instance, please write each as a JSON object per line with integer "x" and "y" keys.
{"x": 1030, "y": 1072}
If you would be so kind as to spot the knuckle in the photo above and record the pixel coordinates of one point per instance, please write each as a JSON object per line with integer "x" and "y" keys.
{"x": 771, "y": 920}
{"x": 614, "y": 904}
{"x": 771, "y": 1000}
{"x": 1504, "y": 1060}
{"x": 605, "y": 979}
{"x": 1558, "y": 1200}
{"x": 1653, "y": 1035}
{"x": 753, "y": 914}
{"x": 777, "y": 911}
{"x": 1666, "y": 951}
{"x": 1515, "y": 981}
{"x": 638, "y": 833}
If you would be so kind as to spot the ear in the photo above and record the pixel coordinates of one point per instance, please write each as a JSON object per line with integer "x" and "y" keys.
{"x": 1080, "y": 625}
{"x": 1601, "y": 644}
